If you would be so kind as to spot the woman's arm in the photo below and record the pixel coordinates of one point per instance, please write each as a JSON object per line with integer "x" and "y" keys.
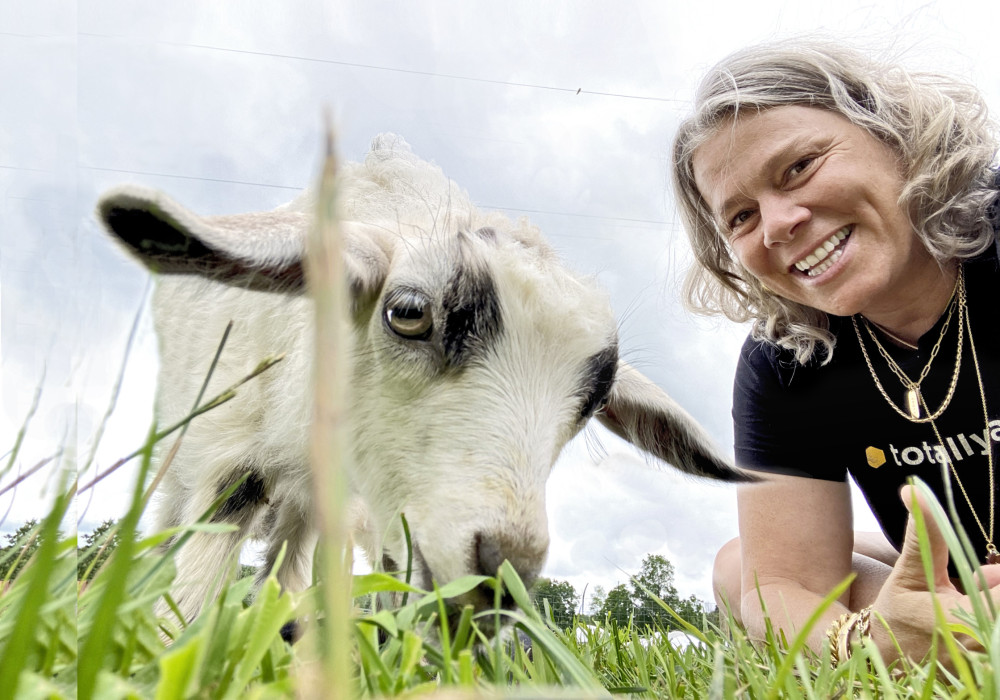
{"x": 797, "y": 540}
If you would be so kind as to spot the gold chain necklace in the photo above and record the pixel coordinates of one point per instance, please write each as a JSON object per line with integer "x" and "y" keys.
{"x": 914, "y": 399}
{"x": 899, "y": 341}
{"x": 992, "y": 554}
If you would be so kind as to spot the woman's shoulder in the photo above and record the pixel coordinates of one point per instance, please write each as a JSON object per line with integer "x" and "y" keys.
{"x": 764, "y": 364}
{"x": 765, "y": 360}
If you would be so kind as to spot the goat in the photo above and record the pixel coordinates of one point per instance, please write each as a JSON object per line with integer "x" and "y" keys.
{"x": 476, "y": 356}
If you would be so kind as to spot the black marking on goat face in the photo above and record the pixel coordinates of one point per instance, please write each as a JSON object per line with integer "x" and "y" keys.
{"x": 291, "y": 631}
{"x": 598, "y": 378}
{"x": 389, "y": 564}
{"x": 248, "y": 494}
{"x": 472, "y": 318}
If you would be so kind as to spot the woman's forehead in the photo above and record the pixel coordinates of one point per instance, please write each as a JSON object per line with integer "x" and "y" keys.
{"x": 747, "y": 145}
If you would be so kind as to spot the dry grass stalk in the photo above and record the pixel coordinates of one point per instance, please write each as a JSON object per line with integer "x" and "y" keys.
{"x": 329, "y": 439}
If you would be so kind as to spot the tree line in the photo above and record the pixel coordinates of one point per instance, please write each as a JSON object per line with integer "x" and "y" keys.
{"x": 633, "y": 602}
{"x": 93, "y": 551}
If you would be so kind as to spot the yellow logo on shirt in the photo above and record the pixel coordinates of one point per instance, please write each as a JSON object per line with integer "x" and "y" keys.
{"x": 876, "y": 457}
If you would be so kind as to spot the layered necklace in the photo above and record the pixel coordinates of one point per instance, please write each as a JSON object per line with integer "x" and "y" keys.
{"x": 916, "y": 407}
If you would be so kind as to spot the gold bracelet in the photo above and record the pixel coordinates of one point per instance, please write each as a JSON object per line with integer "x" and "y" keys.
{"x": 839, "y": 634}
{"x": 833, "y": 634}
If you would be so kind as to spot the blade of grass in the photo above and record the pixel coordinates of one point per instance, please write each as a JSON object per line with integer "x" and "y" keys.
{"x": 98, "y": 640}
{"x": 941, "y": 626}
{"x": 21, "y": 641}
{"x": 23, "y": 430}
{"x": 799, "y": 643}
{"x": 116, "y": 389}
{"x": 328, "y": 438}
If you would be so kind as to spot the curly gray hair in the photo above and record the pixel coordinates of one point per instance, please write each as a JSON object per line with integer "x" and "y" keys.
{"x": 938, "y": 126}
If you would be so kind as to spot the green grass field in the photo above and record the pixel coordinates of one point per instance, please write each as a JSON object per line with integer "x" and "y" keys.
{"x": 63, "y": 638}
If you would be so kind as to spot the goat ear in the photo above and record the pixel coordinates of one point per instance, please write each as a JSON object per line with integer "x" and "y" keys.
{"x": 643, "y": 414}
{"x": 368, "y": 251}
{"x": 261, "y": 250}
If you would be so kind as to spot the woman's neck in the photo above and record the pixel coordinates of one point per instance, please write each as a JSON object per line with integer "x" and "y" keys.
{"x": 906, "y": 324}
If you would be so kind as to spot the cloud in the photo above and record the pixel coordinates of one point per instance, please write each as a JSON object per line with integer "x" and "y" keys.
{"x": 608, "y": 512}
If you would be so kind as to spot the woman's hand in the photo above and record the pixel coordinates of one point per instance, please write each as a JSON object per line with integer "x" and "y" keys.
{"x": 905, "y": 600}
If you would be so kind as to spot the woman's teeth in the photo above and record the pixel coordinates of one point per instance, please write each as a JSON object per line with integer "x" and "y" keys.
{"x": 821, "y": 259}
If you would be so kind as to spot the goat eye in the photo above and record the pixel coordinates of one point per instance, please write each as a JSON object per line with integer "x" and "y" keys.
{"x": 408, "y": 315}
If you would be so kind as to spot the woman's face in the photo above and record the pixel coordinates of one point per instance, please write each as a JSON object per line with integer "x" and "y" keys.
{"x": 809, "y": 202}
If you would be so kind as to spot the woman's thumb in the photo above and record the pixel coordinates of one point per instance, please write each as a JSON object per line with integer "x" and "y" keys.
{"x": 910, "y": 563}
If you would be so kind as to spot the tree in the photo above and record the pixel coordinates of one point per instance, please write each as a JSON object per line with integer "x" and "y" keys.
{"x": 597, "y": 599}
{"x": 637, "y": 600}
{"x": 656, "y": 578}
{"x": 21, "y": 544}
{"x": 562, "y": 599}
{"x": 94, "y": 549}
{"x": 618, "y": 605}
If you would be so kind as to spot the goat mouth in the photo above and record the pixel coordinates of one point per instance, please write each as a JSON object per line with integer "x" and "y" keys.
{"x": 483, "y": 599}
{"x": 488, "y": 616}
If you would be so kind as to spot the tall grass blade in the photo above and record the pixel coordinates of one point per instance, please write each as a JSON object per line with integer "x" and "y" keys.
{"x": 20, "y": 644}
{"x": 329, "y": 438}
{"x": 99, "y": 637}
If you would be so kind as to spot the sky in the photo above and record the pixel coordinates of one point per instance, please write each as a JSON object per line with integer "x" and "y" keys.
{"x": 561, "y": 111}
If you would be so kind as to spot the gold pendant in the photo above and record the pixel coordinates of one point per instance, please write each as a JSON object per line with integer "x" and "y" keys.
{"x": 913, "y": 401}
{"x": 992, "y": 555}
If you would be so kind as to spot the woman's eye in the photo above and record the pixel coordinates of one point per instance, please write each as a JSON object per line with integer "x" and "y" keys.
{"x": 799, "y": 167}
{"x": 740, "y": 219}
{"x": 408, "y": 315}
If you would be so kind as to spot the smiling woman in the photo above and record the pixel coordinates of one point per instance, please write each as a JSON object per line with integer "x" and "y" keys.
{"x": 848, "y": 208}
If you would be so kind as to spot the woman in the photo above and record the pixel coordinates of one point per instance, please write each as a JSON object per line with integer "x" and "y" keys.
{"x": 845, "y": 207}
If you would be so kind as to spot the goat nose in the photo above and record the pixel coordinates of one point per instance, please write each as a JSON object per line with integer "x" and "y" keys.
{"x": 525, "y": 553}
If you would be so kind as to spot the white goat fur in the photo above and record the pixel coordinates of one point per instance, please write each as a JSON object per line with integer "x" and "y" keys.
{"x": 461, "y": 443}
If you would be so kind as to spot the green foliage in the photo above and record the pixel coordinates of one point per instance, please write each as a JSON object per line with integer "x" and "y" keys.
{"x": 560, "y": 597}
{"x": 654, "y": 580}
{"x": 38, "y": 649}
{"x": 234, "y": 648}
{"x": 21, "y": 544}
{"x": 98, "y": 546}
{"x": 641, "y": 601}
{"x": 81, "y": 623}
{"x": 618, "y": 606}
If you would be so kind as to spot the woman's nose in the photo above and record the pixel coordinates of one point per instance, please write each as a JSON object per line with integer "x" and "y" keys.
{"x": 780, "y": 217}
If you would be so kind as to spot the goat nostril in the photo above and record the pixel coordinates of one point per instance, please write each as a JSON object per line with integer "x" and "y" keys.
{"x": 488, "y": 555}
{"x": 491, "y": 551}
{"x": 489, "y": 594}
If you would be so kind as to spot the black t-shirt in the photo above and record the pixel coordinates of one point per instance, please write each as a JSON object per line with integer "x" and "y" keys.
{"x": 825, "y": 421}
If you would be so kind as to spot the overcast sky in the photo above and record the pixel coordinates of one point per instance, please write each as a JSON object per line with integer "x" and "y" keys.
{"x": 561, "y": 110}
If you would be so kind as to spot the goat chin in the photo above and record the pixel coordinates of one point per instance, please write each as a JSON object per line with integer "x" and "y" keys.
{"x": 474, "y": 357}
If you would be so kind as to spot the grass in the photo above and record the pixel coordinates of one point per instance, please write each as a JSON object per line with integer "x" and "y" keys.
{"x": 63, "y": 639}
